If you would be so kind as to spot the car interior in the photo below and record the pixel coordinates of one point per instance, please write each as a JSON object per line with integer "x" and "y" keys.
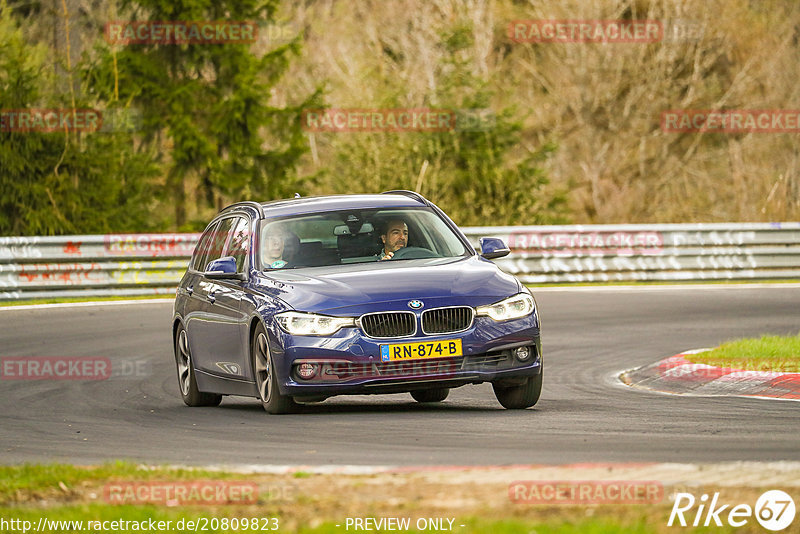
{"x": 336, "y": 238}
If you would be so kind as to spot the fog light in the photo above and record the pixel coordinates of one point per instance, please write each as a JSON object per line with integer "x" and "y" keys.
{"x": 306, "y": 370}
{"x": 522, "y": 353}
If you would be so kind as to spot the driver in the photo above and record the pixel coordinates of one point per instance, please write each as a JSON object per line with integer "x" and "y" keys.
{"x": 394, "y": 237}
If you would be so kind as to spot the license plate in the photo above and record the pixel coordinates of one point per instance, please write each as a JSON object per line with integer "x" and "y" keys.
{"x": 446, "y": 348}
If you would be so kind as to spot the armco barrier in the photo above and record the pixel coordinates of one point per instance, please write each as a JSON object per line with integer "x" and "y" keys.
{"x": 93, "y": 265}
{"x": 152, "y": 264}
{"x": 679, "y": 252}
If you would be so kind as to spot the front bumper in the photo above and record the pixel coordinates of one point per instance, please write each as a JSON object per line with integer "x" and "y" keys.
{"x": 349, "y": 362}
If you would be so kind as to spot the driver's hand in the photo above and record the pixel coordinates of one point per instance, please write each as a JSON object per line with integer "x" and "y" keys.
{"x": 387, "y": 256}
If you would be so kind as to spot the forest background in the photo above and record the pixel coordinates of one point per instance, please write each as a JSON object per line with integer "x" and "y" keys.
{"x": 574, "y": 132}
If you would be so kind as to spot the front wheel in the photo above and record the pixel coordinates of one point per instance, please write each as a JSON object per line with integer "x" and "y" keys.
{"x": 522, "y": 396}
{"x": 266, "y": 376}
{"x": 186, "y": 379}
{"x": 430, "y": 395}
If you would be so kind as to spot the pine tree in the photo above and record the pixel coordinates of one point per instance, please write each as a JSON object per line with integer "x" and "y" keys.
{"x": 206, "y": 108}
{"x": 65, "y": 181}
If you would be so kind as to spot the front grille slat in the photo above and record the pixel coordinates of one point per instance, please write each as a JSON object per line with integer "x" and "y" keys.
{"x": 389, "y": 324}
{"x": 447, "y": 320}
{"x": 403, "y": 324}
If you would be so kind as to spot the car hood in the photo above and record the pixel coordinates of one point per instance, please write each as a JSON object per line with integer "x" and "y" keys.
{"x": 353, "y": 288}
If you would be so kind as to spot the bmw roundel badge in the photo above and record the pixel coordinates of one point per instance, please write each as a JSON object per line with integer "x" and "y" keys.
{"x": 415, "y": 304}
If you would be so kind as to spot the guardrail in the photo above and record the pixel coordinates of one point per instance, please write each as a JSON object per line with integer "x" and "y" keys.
{"x": 152, "y": 264}
{"x": 93, "y": 265}
{"x": 649, "y": 252}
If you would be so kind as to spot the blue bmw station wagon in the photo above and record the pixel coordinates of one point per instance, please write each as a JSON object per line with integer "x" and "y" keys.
{"x": 294, "y": 301}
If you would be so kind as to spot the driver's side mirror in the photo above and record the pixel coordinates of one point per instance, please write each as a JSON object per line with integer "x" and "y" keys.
{"x": 493, "y": 247}
{"x": 223, "y": 269}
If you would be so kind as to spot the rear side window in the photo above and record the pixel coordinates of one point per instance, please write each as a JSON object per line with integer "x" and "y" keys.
{"x": 239, "y": 243}
{"x": 216, "y": 244}
{"x": 201, "y": 250}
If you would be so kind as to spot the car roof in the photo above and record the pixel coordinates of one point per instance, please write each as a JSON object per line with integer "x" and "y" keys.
{"x": 305, "y": 205}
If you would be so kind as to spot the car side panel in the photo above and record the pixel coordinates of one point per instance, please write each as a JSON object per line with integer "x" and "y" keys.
{"x": 220, "y": 340}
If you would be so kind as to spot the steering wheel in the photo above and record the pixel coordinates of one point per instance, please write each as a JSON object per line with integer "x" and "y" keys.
{"x": 413, "y": 253}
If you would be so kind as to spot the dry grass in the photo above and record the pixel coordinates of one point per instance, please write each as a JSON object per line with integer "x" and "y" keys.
{"x": 478, "y": 498}
{"x": 601, "y": 103}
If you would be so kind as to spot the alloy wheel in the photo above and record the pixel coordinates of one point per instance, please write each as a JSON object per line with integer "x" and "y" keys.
{"x": 184, "y": 361}
{"x": 263, "y": 368}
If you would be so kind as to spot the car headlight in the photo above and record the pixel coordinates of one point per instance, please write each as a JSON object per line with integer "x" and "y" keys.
{"x": 311, "y": 324}
{"x": 519, "y": 305}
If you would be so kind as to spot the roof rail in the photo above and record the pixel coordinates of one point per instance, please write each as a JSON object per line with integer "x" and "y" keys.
{"x": 405, "y": 192}
{"x": 247, "y": 203}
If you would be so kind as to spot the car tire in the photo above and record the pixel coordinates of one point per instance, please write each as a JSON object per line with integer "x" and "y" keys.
{"x": 519, "y": 397}
{"x": 430, "y": 395}
{"x": 265, "y": 376}
{"x": 186, "y": 374}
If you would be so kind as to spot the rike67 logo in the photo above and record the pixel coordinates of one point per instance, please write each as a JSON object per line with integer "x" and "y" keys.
{"x": 774, "y": 510}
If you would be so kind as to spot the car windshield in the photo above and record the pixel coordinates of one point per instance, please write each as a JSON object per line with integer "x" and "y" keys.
{"x": 355, "y": 236}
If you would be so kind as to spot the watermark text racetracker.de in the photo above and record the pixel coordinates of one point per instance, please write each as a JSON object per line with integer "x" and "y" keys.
{"x": 397, "y": 120}
{"x": 72, "y": 368}
{"x": 199, "y": 524}
{"x": 149, "y": 32}
{"x": 585, "y": 31}
{"x": 731, "y": 121}
{"x": 49, "y": 120}
{"x": 195, "y": 492}
{"x": 586, "y": 492}
{"x": 173, "y": 493}
{"x": 543, "y": 242}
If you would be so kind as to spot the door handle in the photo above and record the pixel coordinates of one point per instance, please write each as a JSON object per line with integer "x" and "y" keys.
{"x": 189, "y": 289}
{"x": 212, "y": 298}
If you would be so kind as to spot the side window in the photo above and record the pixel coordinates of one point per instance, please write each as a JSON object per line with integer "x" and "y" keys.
{"x": 217, "y": 243}
{"x": 239, "y": 244}
{"x": 201, "y": 250}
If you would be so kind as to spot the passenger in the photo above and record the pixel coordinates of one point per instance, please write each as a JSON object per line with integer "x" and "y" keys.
{"x": 394, "y": 237}
{"x": 278, "y": 250}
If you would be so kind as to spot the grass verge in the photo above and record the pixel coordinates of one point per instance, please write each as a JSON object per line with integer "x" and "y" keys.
{"x": 62, "y": 495}
{"x": 767, "y": 353}
{"x": 59, "y": 481}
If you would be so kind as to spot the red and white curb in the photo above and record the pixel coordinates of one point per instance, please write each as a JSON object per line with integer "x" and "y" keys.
{"x": 679, "y": 376}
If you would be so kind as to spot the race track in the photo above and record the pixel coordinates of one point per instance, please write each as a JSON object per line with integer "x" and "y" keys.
{"x": 583, "y": 416}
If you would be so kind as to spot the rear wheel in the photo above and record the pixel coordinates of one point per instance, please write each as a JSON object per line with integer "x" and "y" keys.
{"x": 430, "y": 395}
{"x": 522, "y": 396}
{"x": 266, "y": 376}
{"x": 186, "y": 379}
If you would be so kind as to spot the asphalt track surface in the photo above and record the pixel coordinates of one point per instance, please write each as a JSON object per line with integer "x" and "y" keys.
{"x": 588, "y": 335}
